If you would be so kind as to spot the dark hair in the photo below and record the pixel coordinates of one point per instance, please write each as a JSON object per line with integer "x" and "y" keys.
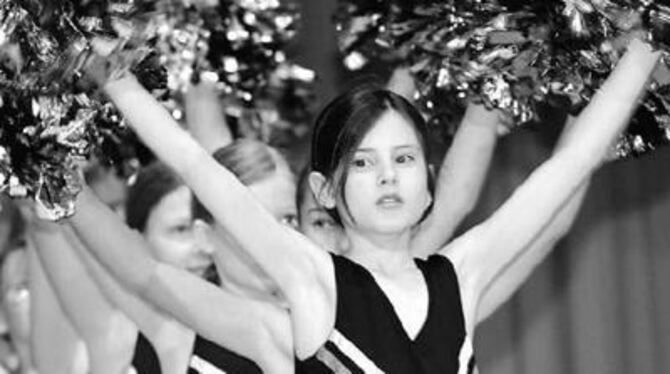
{"x": 343, "y": 124}
{"x": 10, "y": 215}
{"x": 303, "y": 188}
{"x": 152, "y": 183}
{"x": 249, "y": 160}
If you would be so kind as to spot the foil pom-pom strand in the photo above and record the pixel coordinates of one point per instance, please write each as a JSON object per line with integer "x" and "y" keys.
{"x": 511, "y": 55}
{"x": 52, "y": 115}
{"x": 248, "y": 42}
{"x": 281, "y": 112}
{"x": 497, "y": 60}
{"x": 239, "y": 45}
{"x": 53, "y": 39}
{"x": 583, "y": 58}
{"x": 44, "y": 138}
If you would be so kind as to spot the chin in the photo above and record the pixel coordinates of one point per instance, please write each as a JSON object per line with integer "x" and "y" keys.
{"x": 388, "y": 226}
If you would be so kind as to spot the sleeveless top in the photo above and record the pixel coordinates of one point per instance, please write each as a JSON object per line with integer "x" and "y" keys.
{"x": 145, "y": 358}
{"x": 368, "y": 336}
{"x": 207, "y": 358}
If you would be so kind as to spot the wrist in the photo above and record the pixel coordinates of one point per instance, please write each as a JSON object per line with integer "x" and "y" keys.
{"x": 478, "y": 116}
{"x": 120, "y": 84}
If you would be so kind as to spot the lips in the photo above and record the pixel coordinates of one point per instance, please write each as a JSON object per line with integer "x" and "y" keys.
{"x": 389, "y": 201}
{"x": 198, "y": 269}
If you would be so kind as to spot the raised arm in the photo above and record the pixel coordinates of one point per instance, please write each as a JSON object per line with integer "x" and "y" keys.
{"x": 512, "y": 276}
{"x": 55, "y": 346}
{"x": 302, "y": 271}
{"x": 147, "y": 318}
{"x": 462, "y": 173}
{"x": 14, "y": 279}
{"x": 460, "y": 179}
{"x": 204, "y": 116}
{"x": 508, "y": 281}
{"x": 108, "y": 335}
{"x": 482, "y": 253}
{"x": 402, "y": 83}
{"x": 242, "y": 325}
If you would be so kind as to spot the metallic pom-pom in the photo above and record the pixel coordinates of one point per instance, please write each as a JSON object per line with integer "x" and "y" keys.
{"x": 512, "y": 55}
{"x": 240, "y": 46}
{"x": 52, "y": 116}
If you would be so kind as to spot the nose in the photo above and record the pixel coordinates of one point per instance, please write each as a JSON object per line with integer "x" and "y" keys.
{"x": 203, "y": 249}
{"x": 387, "y": 173}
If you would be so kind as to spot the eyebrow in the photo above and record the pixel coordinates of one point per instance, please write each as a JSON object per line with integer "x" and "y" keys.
{"x": 404, "y": 146}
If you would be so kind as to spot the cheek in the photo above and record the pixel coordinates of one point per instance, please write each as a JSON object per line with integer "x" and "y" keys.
{"x": 168, "y": 250}
{"x": 359, "y": 188}
{"x": 416, "y": 181}
{"x": 317, "y": 235}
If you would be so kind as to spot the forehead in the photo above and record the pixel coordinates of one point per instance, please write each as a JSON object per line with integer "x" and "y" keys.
{"x": 276, "y": 193}
{"x": 390, "y": 129}
{"x": 174, "y": 205}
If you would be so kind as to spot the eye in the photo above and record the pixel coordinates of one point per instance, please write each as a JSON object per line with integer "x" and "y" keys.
{"x": 361, "y": 163}
{"x": 323, "y": 223}
{"x": 183, "y": 228}
{"x": 405, "y": 158}
{"x": 290, "y": 220}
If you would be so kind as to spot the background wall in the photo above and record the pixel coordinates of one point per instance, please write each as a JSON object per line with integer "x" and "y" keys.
{"x": 601, "y": 301}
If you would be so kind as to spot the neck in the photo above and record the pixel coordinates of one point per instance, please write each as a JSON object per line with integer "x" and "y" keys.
{"x": 383, "y": 253}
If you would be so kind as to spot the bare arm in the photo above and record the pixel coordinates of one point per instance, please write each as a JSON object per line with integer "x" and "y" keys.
{"x": 103, "y": 327}
{"x": 302, "y": 271}
{"x": 16, "y": 304}
{"x": 508, "y": 281}
{"x": 54, "y": 342}
{"x": 402, "y": 83}
{"x": 204, "y": 116}
{"x": 241, "y": 325}
{"x": 484, "y": 251}
{"x": 460, "y": 179}
{"x": 462, "y": 174}
{"x": 148, "y": 319}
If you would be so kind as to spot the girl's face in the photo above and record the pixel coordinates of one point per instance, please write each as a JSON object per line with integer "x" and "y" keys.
{"x": 277, "y": 194}
{"x": 386, "y": 190}
{"x": 319, "y": 226}
{"x": 169, "y": 231}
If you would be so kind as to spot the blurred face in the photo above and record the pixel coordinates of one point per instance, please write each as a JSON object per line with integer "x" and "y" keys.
{"x": 386, "y": 190}
{"x": 169, "y": 231}
{"x": 277, "y": 194}
{"x": 319, "y": 226}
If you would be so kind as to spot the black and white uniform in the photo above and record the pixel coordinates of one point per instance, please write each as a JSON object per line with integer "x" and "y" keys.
{"x": 207, "y": 358}
{"x": 369, "y": 337}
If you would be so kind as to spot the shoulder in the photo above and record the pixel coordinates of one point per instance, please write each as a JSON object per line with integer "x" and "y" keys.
{"x": 440, "y": 274}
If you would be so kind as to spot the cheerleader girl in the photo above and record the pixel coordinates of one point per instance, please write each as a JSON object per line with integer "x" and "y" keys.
{"x": 255, "y": 332}
{"x": 378, "y": 309}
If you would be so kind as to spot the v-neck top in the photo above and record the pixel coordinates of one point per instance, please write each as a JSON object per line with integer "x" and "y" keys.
{"x": 369, "y": 337}
{"x": 207, "y": 358}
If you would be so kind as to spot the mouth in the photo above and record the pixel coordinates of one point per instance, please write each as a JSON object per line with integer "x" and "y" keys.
{"x": 199, "y": 269}
{"x": 389, "y": 201}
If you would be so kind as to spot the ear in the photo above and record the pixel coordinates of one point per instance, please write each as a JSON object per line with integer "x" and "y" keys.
{"x": 322, "y": 190}
{"x": 202, "y": 235}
